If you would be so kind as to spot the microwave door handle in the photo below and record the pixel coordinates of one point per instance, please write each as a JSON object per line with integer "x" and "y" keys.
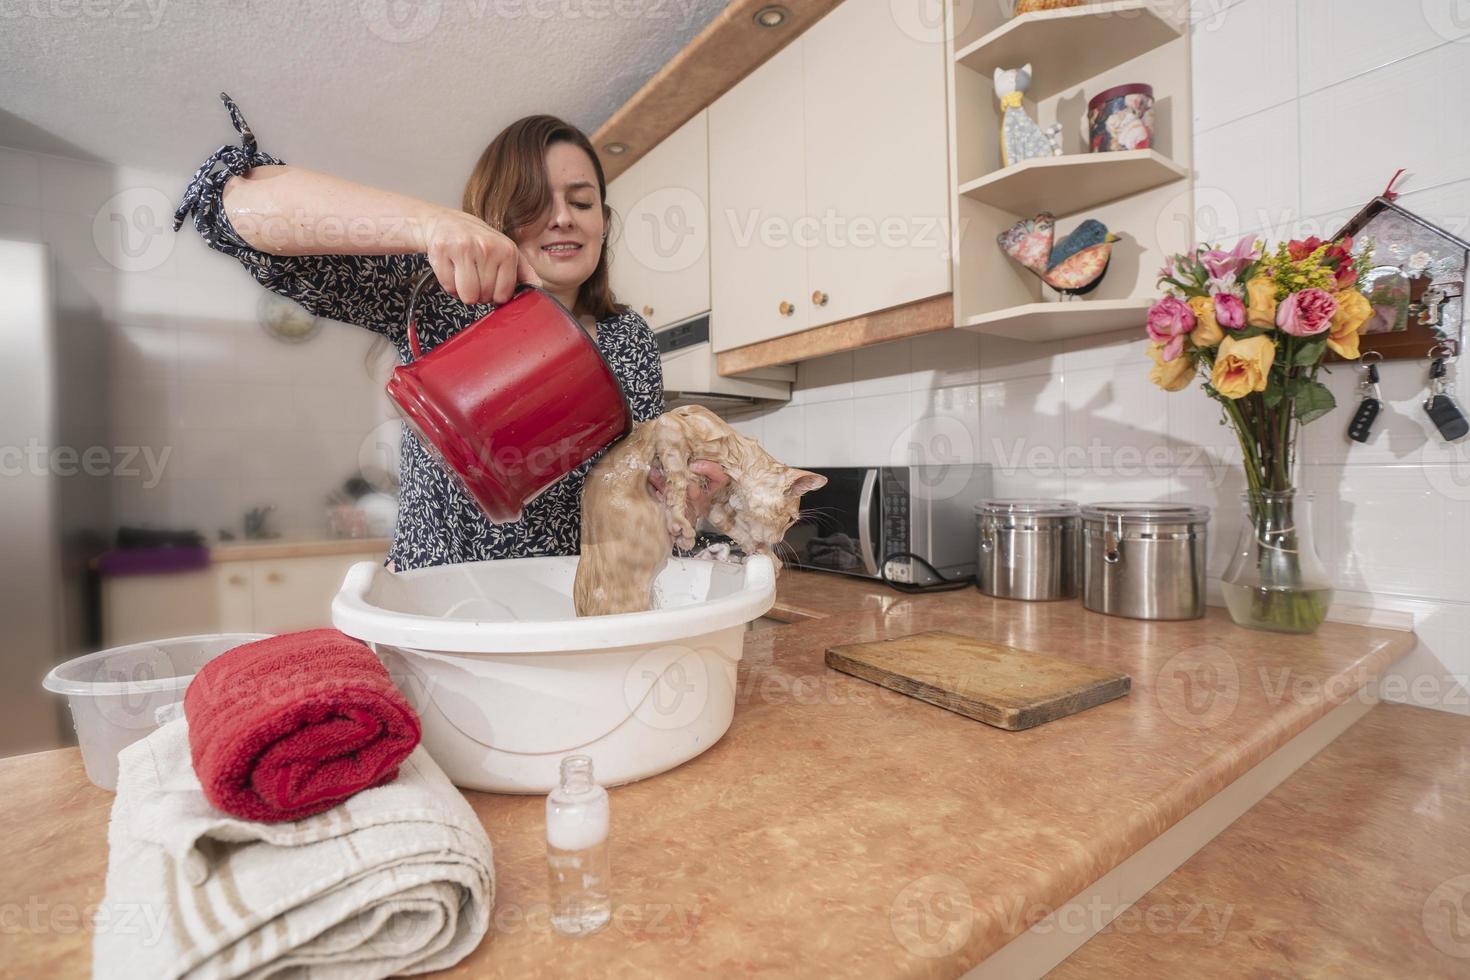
{"x": 865, "y": 520}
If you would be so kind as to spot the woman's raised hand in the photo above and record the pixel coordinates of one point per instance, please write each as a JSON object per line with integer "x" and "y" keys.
{"x": 473, "y": 262}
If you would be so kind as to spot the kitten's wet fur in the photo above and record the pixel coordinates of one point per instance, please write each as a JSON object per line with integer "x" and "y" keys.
{"x": 628, "y": 534}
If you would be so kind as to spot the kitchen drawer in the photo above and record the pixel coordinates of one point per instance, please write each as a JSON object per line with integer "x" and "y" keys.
{"x": 138, "y": 608}
{"x": 234, "y": 605}
{"x": 296, "y": 593}
{"x": 263, "y": 596}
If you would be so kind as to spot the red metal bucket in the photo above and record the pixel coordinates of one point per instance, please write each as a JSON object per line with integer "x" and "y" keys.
{"x": 513, "y": 402}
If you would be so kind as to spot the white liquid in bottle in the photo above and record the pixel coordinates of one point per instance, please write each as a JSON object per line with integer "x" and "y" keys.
{"x": 576, "y": 850}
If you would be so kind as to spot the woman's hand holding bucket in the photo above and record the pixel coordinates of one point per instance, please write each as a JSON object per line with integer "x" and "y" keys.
{"x": 473, "y": 262}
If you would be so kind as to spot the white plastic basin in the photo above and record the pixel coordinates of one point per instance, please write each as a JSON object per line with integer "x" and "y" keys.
{"x": 507, "y": 680}
{"x": 115, "y": 694}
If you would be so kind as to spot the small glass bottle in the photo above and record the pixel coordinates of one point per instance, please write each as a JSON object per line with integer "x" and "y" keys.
{"x": 576, "y": 850}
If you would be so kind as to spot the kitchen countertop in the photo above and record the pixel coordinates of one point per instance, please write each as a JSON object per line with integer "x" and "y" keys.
{"x": 271, "y": 548}
{"x": 838, "y": 828}
{"x": 1363, "y": 876}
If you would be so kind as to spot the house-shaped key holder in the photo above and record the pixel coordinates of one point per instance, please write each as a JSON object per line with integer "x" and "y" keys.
{"x": 1416, "y": 284}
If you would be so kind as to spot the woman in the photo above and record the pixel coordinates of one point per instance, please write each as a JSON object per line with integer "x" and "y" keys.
{"x": 534, "y": 211}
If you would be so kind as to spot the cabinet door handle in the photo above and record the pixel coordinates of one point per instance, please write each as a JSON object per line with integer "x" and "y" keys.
{"x": 786, "y": 309}
{"x": 819, "y": 298}
{"x": 648, "y": 311}
{"x": 274, "y": 578}
{"x": 237, "y": 580}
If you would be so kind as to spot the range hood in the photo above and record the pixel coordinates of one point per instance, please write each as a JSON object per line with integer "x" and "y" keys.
{"x": 690, "y": 377}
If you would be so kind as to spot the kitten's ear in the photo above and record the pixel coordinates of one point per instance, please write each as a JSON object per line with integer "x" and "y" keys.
{"x": 799, "y": 482}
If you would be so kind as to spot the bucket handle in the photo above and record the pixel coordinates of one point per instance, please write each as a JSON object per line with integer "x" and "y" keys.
{"x": 413, "y": 299}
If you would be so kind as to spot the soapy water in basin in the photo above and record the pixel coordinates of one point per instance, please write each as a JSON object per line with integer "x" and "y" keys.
{"x": 484, "y": 606}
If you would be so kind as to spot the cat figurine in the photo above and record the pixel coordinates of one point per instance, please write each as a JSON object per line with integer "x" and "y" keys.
{"x": 628, "y": 534}
{"x": 1021, "y": 138}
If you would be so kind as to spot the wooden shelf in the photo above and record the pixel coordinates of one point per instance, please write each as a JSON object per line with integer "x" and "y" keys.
{"x": 730, "y": 47}
{"x": 1068, "y": 46}
{"x": 1039, "y": 322}
{"x": 1068, "y": 184}
{"x": 897, "y": 323}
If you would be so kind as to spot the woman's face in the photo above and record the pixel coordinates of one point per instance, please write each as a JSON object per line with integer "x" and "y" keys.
{"x": 565, "y": 243}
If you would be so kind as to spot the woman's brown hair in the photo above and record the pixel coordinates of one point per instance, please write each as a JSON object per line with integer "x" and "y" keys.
{"x": 508, "y": 190}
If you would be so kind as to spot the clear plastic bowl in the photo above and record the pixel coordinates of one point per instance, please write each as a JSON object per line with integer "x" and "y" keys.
{"x": 115, "y": 695}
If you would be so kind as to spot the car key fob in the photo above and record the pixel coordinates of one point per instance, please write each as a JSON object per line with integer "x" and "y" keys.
{"x": 1363, "y": 419}
{"x": 1447, "y": 417}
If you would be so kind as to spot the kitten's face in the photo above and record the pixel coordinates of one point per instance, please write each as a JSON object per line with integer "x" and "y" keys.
{"x": 762, "y": 506}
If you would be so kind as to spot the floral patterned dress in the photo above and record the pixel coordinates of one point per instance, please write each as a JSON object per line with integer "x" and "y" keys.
{"x": 437, "y": 523}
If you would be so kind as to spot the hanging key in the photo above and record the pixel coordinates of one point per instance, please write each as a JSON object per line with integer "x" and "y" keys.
{"x": 1442, "y": 410}
{"x": 1368, "y": 408}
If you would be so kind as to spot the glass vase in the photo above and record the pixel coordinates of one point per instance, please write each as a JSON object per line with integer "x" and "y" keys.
{"x": 1276, "y": 581}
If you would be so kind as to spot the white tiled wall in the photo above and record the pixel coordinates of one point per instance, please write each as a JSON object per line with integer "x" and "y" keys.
{"x": 1304, "y": 109}
{"x": 245, "y": 420}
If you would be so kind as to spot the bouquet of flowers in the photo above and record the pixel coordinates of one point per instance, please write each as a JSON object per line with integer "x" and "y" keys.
{"x": 1256, "y": 327}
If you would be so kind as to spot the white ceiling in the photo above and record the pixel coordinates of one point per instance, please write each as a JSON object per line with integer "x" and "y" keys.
{"x": 402, "y": 94}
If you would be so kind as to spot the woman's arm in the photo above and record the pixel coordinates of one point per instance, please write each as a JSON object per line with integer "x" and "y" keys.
{"x": 341, "y": 250}
{"x": 290, "y": 211}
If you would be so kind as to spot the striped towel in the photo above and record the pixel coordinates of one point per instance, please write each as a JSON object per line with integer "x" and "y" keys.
{"x": 396, "y": 880}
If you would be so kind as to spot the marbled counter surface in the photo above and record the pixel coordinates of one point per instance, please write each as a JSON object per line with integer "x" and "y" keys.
{"x": 1358, "y": 865}
{"x": 838, "y": 829}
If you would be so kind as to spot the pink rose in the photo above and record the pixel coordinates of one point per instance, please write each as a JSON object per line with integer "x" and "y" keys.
{"x": 1306, "y": 313}
{"x": 1169, "y": 322}
{"x": 1229, "y": 311}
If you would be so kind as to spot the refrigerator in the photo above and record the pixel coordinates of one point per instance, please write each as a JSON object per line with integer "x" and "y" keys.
{"x": 52, "y": 513}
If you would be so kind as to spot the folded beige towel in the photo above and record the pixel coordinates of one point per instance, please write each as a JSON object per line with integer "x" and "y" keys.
{"x": 396, "y": 880}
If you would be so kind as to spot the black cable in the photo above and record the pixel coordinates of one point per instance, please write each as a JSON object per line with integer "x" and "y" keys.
{"x": 943, "y": 585}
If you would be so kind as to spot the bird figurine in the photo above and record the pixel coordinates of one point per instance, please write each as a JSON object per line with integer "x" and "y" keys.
{"x": 1072, "y": 266}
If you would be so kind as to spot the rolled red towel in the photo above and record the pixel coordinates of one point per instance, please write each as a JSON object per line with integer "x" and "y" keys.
{"x": 283, "y": 728}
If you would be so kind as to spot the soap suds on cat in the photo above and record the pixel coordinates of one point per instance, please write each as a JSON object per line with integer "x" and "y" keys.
{"x": 628, "y": 534}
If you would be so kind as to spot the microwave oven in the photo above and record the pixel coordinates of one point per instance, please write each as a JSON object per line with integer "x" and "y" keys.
{"x": 867, "y": 515}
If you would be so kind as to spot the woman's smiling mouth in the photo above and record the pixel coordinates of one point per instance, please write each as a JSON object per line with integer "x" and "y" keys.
{"x": 561, "y": 250}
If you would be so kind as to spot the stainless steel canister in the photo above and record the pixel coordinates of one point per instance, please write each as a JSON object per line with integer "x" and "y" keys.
{"x": 1028, "y": 549}
{"x": 1144, "y": 560}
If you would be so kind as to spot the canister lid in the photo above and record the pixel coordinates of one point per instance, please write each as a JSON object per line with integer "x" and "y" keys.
{"x": 1118, "y": 91}
{"x": 1147, "y": 512}
{"x": 1026, "y": 507}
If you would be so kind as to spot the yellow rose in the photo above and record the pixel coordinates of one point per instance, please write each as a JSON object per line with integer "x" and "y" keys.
{"x": 1172, "y": 375}
{"x": 1243, "y": 366}
{"x": 1207, "y": 332}
{"x": 1260, "y": 307}
{"x": 1353, "y": 312}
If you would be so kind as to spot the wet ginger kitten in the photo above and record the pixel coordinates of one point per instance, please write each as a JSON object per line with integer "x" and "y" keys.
{"x": 627, "y": 533}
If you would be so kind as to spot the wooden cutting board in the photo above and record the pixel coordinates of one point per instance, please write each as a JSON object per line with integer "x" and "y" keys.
{"x": 1001, "y": 686}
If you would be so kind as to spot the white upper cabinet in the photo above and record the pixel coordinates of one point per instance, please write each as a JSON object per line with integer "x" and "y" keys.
{"x": 660, "y": 253}
{"x": 624, "y": 273}
{"x": 829, "y": 178}
{"x": 757, "y": 200}
{"x": 877, "y": 161}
